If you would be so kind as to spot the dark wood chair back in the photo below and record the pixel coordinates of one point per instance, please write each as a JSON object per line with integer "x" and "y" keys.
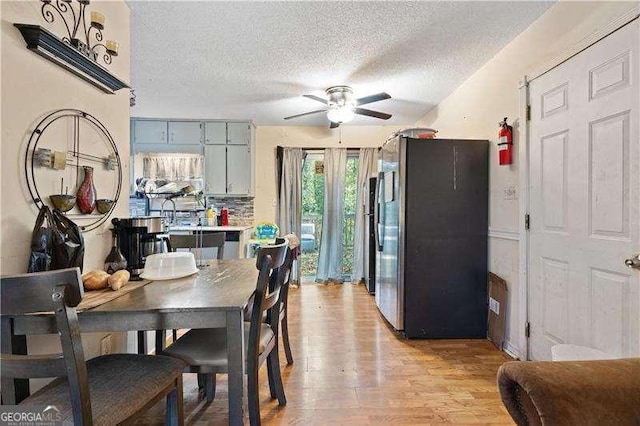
{"x": 215, "y": 240}
{"x": 267, "y": 295}
{"x": 59, "y": 291}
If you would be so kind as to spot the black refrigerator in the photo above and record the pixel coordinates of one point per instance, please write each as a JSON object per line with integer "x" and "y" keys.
{"x": 431, "y": 226}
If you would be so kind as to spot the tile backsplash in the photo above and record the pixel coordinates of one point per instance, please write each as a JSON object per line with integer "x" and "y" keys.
{"x": 240, "y": 208}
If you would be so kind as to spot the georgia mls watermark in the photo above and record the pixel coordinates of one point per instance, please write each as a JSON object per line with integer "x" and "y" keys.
{"x": 17, "y": 415}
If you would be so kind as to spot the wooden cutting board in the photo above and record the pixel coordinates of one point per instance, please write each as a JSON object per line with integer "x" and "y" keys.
{"x": 93, "y": 298}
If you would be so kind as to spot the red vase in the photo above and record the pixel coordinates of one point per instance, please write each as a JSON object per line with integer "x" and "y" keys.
{"x": 86, "y": 195}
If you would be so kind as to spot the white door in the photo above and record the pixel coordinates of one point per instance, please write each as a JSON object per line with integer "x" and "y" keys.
{"x": 585, "y": 200}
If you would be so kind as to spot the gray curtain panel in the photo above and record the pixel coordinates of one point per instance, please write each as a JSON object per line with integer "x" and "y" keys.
{"x": 330, "y": 257}
{"x": 366, "y": 168}
{"x": 289, "y": 214}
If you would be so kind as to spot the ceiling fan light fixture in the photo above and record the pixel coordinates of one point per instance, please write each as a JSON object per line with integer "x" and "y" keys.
{"x": 342, "y": 114}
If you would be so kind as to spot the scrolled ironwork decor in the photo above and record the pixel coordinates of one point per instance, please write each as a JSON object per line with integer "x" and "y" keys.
{"x": 35, "y": 158}
{"x": 81, "y": 38}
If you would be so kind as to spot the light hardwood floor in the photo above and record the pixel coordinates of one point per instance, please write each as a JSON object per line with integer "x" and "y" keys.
{"x": 351, "y": 368}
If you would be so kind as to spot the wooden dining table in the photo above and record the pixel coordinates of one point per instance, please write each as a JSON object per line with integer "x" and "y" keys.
{"x": 214, "y": 297}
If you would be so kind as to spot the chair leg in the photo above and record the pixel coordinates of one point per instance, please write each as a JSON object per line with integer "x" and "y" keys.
{"x": 272, "y": 386}
{"x": 159, "y": 341}
{"x": 175, "y": 405}
{"x": 273, "y": 362}
{"x": 285, "y": 339}
{"x": 200, "y": 382}
{"x": 210, "y": 386}
{"x": 175, "y": 334}
{"x": 253, "y": 397}
{"x": 142, "y": 342}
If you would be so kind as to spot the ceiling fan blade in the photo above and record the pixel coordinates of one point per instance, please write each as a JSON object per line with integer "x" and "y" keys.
{"x": 370, "y": 113}
{"x": 373, "y": 98}
{"x": 305, "y": 113}
{"x": 333, "y": 125}
{"x": 317, "y": 98}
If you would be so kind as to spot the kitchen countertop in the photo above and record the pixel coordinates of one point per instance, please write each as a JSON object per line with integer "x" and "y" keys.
{"x": 210, "y": 228}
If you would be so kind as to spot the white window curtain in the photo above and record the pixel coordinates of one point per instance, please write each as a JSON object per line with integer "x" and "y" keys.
{"x": 366, "y": 168}
{"x": 290, "y": 199}
{"x": 330, "y": 257}
{"x": 173, "y": 167}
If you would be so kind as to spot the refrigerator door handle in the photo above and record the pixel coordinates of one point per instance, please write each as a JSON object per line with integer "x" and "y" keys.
{"x": 376, "y": 211}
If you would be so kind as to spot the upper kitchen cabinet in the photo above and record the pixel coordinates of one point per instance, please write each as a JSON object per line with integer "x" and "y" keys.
{"x": 185, "y": 132}
{"x": 215, "y": 133}
{"x": 221, "y": 133}
{"x": 238, "y": 133}
{"x": 149, "y": 131}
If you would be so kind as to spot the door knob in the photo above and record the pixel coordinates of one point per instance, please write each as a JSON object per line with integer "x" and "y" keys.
{"x": 633, "y": 262}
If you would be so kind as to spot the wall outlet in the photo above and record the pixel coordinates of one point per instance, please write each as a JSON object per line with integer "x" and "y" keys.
{"x": 105, "y": 345}
{"x": 510, "y": 192}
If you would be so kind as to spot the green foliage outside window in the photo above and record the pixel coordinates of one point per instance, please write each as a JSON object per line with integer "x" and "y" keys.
{"x": 313, "y": 206}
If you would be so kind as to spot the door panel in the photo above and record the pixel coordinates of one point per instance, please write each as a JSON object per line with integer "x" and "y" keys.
{"x": 585, "y": 200}
{"x": 238, "y": 169}
{"x": 215, "y": 133}
{"x": 238, "y": 133}
{"x": 185, "y": 132}
{"x": 150, "y": 131}
{"x": 215, "y": 157}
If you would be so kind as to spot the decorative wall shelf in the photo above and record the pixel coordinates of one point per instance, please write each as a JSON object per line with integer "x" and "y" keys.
{"x": 47, "y": 45}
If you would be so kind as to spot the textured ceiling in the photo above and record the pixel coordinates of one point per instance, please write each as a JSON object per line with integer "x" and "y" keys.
{"x": 255, "y": 60}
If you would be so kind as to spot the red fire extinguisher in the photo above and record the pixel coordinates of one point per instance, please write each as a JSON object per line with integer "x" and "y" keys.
{"x": 505, "y": 143}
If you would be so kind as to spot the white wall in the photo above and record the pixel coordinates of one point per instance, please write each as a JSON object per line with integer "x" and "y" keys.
{"x": 31, "y": 88}
{"x": 474, "y": 109}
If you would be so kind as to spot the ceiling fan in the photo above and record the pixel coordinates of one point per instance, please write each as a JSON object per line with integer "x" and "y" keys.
{"x": 342, "y": 106}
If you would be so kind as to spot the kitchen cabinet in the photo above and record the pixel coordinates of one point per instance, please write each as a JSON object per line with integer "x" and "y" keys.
{"x": 227, "y": 148}
{"x": 238, "y": 169}
{"x": 232, "y": 133}
{"x": 215, "y": 133}
{"x": 149, "y": 131}
{"x": 228, "y": 169}
{"x": 238, "y": 133}
{"x": 185, "y": 132}
{"x": 215, "y": 165}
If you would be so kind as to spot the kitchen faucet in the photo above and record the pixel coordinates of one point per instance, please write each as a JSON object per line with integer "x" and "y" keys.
{"x": 173, "y": 219}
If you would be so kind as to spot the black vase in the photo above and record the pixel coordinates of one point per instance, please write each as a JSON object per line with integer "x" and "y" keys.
{"x": 115, "y": 261}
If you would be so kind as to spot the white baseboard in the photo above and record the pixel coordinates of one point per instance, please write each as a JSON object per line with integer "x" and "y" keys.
{"x": 511, "y": 350}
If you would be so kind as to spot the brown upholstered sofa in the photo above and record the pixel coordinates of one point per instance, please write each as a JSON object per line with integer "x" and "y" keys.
{"x": 603, "y": 392}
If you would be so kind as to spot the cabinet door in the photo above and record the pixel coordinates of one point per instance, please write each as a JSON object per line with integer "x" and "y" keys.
{"x": 185, "y": 132}
{"x": 149, "y": 131}
{"x": 215, "y": 161}
{"x": 238, "y": 169}
{"x": 238, "y": 133}
{"x": 215, "y": 133}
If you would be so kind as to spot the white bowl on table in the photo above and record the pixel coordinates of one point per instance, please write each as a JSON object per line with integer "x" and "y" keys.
{"x": 168, "y": 266}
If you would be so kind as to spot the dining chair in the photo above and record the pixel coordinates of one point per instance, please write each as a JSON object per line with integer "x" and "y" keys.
{"x": 109, "y": 389}
{"x": 194, "y": 241}
{"x": 284, "y": 303}
{"x": 205, "y": 350}
{"x": 285, "y": 280}
{"x": 214, "y": 240}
